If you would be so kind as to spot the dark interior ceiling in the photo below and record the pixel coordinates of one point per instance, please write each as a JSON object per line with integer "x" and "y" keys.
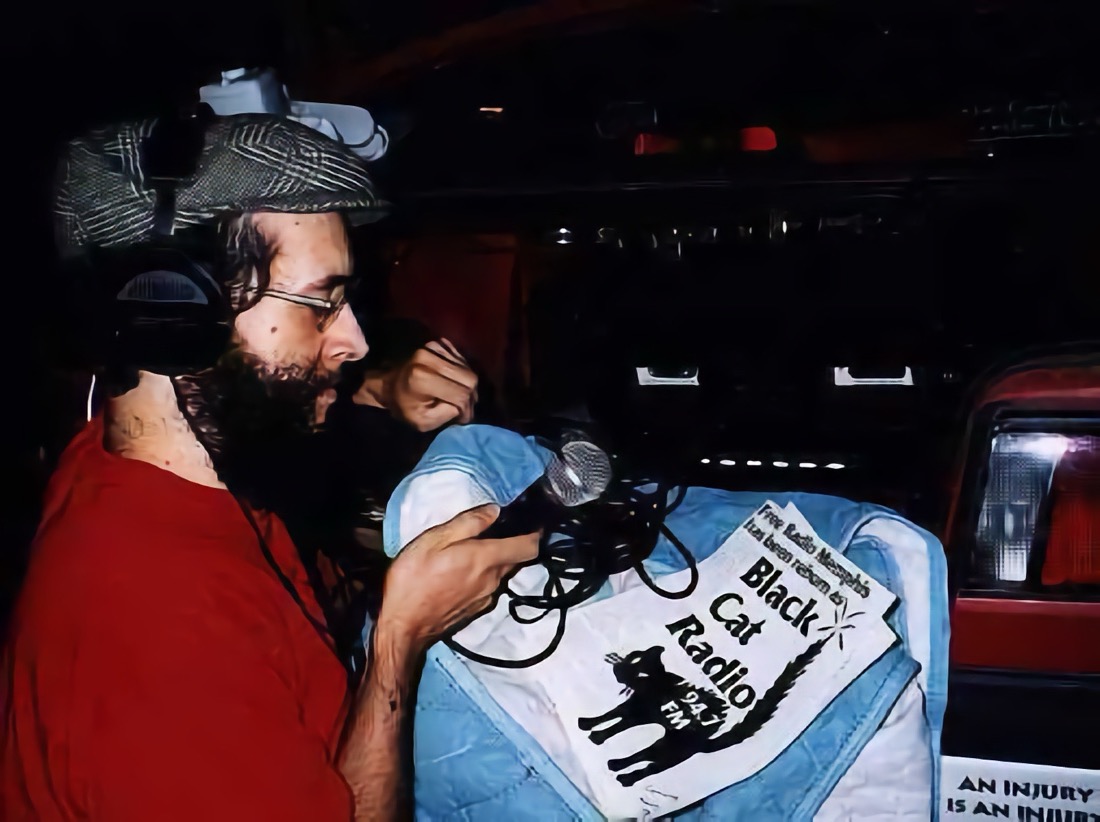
{"x": 352, "y": 49}
{"x": 977, "y": 77}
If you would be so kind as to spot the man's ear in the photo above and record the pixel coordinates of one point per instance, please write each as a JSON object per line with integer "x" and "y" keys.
{"x": 246, "y": 256}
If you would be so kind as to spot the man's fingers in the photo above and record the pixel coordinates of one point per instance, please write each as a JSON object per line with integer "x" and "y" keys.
{"x": 466, "y": 410}
{"x": 433, "y": 361}
{"x": 466, "y": 525}
{"x": 506, "y": 553}
{"x": 450, "y": 346}
{"x": 440, "y": 373}
{"x": 431, "y": 417}
{"x": 445, "y": 352}
{"x": 437, "y": 387}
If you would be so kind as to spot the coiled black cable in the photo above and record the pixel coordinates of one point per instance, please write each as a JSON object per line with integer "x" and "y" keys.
{"x": 587, "y": 545}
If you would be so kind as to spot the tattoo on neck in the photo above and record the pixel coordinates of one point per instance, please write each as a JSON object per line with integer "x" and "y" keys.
{"x": 134, "y": 428}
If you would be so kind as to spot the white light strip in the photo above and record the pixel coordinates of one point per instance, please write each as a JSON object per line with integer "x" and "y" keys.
{"x": 645, "y": 377}
{"x": 835, "y": 466}
{"x": 844, "y": 378}
{"x": 91, "y": 395}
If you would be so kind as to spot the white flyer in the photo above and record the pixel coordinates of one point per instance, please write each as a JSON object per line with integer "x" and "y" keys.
{"x": 668, "y": 701}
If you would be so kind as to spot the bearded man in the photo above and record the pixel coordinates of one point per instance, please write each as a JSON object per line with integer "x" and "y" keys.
{"x": 167, "y": 656}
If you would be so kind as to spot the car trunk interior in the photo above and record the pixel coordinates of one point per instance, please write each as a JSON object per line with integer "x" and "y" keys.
{"x": 818, "y": 331}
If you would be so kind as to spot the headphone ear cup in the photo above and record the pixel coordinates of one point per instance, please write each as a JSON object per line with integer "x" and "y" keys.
{"x": 168, "y": 314}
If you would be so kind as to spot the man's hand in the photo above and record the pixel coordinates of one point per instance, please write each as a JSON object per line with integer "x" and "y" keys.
{"x": 446, "y": 576}
{"x": 435, "y": 387}
{"x": 441, "y": 578}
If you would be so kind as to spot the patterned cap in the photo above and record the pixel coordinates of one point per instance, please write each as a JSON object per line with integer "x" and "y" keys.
{"x": 106, "y": 198}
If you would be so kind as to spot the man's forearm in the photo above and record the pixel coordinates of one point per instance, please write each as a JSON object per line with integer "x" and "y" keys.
{"x": 372, "y": 758}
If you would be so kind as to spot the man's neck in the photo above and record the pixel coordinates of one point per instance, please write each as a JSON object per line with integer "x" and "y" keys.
{"x": 146, "y": 424}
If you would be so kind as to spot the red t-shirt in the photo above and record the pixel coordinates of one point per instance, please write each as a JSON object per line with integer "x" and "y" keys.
{"x": 157, "y": 669}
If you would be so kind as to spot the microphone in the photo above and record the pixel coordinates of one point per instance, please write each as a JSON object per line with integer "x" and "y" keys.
{"x": 593, "y": 525}
{"x": 578, "y": 473}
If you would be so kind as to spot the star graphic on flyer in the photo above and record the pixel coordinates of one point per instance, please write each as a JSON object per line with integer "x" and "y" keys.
{"x": 841, "y": 623}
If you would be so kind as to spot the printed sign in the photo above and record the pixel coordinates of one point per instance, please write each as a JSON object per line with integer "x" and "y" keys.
{"x": 668, "y": 701}
{"x": 1014, "y": 790}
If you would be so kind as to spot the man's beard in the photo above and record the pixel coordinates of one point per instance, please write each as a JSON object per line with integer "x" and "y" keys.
{"x": 258, "y": 424}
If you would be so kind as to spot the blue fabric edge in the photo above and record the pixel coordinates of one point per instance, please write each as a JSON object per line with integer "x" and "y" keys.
{"x": 896, "y": 681}
{"x": 532, "y": 753}
{"x": 471, "y": 467}
{"x": 935, "y": 697}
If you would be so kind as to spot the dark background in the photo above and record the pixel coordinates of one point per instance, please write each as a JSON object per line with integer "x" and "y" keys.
{"x": 799, "y": 64}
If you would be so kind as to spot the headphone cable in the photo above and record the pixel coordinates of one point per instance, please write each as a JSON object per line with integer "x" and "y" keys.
{"x": 323, "y": 630}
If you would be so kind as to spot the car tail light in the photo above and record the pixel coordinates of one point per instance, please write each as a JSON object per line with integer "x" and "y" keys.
{"x": 1041, "y": 505}
{"x": 1020, "y": 470}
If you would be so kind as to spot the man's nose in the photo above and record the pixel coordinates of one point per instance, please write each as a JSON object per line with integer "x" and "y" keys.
{"x": 344, "y": 340}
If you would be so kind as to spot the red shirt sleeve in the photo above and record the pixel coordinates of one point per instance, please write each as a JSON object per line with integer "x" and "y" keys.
{"x": 191, "y": 705}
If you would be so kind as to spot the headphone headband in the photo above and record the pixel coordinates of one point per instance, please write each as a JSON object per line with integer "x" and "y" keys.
{"x": 169, "y": 156}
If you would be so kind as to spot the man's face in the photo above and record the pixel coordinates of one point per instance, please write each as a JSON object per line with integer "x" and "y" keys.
{"x": 255, "y": 409}
{"x": 312, "y": 258}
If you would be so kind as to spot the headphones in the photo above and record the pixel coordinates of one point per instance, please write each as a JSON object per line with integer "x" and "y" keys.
{"x": 163, "y": 307}
{"x": 164, "y": 311}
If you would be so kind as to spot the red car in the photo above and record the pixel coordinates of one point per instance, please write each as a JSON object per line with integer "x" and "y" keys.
{"x": 1023, "y": 537}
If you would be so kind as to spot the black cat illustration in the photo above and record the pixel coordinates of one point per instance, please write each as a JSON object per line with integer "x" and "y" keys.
{"x": 659, "y": 697}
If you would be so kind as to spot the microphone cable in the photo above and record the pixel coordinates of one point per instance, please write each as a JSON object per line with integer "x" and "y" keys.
{"x": 586, "y": 546}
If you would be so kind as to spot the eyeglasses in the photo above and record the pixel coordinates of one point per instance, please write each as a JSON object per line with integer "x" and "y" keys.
{"x": 326, "y": 309}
